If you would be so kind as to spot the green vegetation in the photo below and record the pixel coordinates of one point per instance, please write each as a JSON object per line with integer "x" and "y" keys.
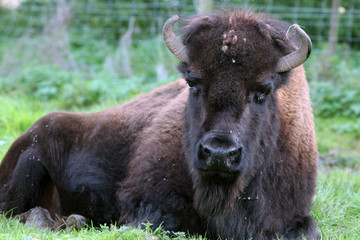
{"x": 13, "y": 230}
{"x": 16, "y": 116}
{"x": 102, "y": 78}
{"x": 335, "y": 93}
{"x": 336, "y": 206}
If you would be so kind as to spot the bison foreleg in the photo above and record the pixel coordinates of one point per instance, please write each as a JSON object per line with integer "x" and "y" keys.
{"x": 302, "y": 228}
{"x": 74, "y": 221}
{"x": 156, "y": 216}
{"x": 25, "y": 184}
{"x": 37, "y": 217}
{"x": 41, "y": 218}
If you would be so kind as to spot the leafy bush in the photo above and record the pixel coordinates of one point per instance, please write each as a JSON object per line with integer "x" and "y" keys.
{"x": 72, "y": 89}
{"x": 335, "y": 93}
{"x": 334, "y": 85}
{"x": 353, "y": 127}
{"x": 336, "y": 100}
{"x": 98, "y": 77}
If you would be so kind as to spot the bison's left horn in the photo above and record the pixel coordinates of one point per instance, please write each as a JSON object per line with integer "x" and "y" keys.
{"x": 298, "y": 57}
{"x": 172, "y": 42}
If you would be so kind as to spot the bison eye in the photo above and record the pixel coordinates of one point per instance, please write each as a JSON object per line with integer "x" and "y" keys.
{"x": 192, "y": 82}
{"x": 261, "y": 94}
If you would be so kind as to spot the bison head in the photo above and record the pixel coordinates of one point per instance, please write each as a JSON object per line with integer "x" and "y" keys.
{"x": 233, "y": 63}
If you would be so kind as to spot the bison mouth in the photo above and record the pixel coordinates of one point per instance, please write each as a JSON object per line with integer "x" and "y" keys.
{"x": 218, "y": 177}
{"x": 215, "y": 191}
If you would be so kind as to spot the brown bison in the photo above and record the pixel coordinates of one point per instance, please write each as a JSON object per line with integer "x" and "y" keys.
{"x": 227, "y": 151}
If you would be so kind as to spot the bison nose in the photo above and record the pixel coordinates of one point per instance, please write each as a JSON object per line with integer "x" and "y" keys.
{"x": 217, "y": 158}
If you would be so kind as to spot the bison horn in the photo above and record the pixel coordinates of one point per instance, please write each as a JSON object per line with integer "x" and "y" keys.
{"x": 298, "y": 57}
{"x": 173, "y": 44}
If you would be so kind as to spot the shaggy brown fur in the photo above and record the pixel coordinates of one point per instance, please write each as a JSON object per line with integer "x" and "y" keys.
{"x": 235, "y": 156}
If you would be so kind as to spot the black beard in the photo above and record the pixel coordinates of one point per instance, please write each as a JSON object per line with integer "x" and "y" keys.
{"x": 215, "y": 198}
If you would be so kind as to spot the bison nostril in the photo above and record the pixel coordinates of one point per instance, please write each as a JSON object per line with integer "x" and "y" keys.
{"x": 204, "y": 152}
{"x": 232, "y": 153}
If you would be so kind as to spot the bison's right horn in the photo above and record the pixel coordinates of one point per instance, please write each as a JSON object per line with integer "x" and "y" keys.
{"x": 298, "y": 57}
{"x": 173, "y": 44}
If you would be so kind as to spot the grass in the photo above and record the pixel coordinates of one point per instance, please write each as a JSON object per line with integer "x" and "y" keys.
{"x": 16, "y": 116}
{"x": 337, "y": 147}
{"x": 336, "y": 206}
{"x": 13, "y": 230}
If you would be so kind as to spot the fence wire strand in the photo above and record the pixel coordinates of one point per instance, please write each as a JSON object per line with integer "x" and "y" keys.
{"x": 109, "y": 18}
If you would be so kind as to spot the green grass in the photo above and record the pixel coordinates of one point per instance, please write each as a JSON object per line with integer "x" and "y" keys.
{"x": 336, "y": 206}
{"x": 336, "y": 146}
{"x": 13, "y": 230}
{"x": 16, "y": 116}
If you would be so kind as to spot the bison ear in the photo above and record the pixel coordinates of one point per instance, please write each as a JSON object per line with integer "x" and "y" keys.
{"x": 265, "y": 30}
{"x": 194, "y": 25}
{"x": 283, "y": 45}
{"x": 295, "y": 55}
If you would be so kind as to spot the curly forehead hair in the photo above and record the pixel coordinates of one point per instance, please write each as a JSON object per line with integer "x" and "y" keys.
{"x": 226, "y": 26}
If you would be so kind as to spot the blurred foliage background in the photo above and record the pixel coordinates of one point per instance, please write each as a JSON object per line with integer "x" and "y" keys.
{"x": 91, "y": 54}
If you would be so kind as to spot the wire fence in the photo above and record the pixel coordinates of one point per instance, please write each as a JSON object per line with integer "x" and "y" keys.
{"x": 109, "y": 19}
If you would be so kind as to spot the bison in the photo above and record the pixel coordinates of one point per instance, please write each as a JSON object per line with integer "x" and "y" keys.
{"x": 229, "y": 150}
